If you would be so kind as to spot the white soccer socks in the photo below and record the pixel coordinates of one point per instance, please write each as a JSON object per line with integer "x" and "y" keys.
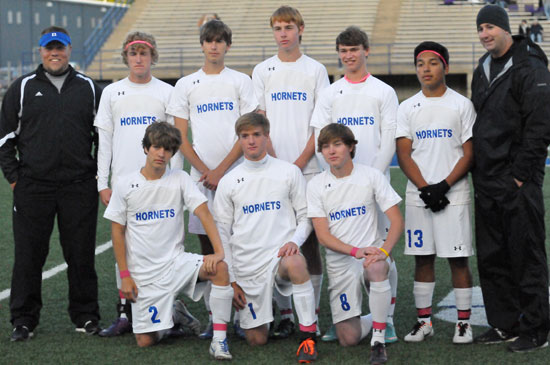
{"x": 304, "y": 302}
{"x": 366, "y": 325}
{"x": 423, "y": 294}
{"x": 463, "y": 330}
{"x": 392, "y": 277}
{"x": 284, "y": 303}
{"x": 379, "y": 303}
{"x": 317, "y": 281}
{"x": 221, "y": 298}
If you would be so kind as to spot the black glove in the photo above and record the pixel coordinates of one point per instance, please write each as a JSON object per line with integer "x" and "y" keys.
{"x": 434, "y": 196}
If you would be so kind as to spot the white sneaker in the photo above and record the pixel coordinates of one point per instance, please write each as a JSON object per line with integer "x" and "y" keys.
{"x": 463, "y": 333}
{"x": 220, "y": 350}
{"x": 420, "y": 331}
{"x": 184, "y": 318}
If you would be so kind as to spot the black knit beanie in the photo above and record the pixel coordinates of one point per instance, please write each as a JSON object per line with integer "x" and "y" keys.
{"x": 494, "y": 14}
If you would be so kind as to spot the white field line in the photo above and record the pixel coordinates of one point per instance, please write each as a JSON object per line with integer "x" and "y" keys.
{"x": 59, "y": 268}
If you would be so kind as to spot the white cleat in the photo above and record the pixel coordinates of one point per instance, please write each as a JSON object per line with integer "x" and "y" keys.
{"x": 420, "y": 331}
{"x": 463, "y": 333}
{"x": 184, "y": 318}
{"x": 220, "y": 350}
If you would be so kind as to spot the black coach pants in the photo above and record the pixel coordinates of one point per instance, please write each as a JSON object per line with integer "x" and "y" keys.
{"x": 36, "y": 205}
{"x": 511, "y": 255}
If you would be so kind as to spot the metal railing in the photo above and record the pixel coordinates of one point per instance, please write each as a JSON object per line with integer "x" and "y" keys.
{"x": 104, "y": 29}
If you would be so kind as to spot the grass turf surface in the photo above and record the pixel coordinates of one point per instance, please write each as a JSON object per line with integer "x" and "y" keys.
{"x": 56, "y": 342}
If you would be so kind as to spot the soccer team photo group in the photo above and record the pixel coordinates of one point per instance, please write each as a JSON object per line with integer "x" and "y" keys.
{"x": 258, "y": 219}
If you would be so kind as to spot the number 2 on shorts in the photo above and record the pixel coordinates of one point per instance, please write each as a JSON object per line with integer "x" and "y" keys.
{"x": 155, "y": 312}
{"x": 252, "y": 310}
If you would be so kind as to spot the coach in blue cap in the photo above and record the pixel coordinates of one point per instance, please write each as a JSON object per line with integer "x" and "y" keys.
{"x": 46, "y": 154}
{"x": 511, "y": 94}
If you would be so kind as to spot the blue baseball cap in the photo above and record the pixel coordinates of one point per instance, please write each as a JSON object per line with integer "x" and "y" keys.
{"x": 54, "y": 36}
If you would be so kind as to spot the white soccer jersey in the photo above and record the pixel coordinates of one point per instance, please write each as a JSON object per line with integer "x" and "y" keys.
{"x": 264, "y": 203}
{"x": 152, "y": 211}
{"x": 288, "y": 91}
{"x": 126, "y": 109}
{"x": 212, "y": 104}
{"x": 349, "y": 204}
{"x": 366, "y": 108}
{"x": 437, "y": 127}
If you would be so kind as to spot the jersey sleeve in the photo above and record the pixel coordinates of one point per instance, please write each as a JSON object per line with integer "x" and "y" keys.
{"x": 384, "y": 194}
{"x": 104, "y": 117}
{"x": 388, "y": 109}
{"x": 299, "y": 203}
{"x": 468, "y": 116}
{"x": 315, "y": 207}
{"x": 322, "y": 82}
{"x": 247, "y": 98}
{"x": 117, "y": 209}
{"x": 322, "y": 112}
{"x": 223, "y": 205}
{"x": 104, "y": 158}
{"x": 179, "y": 101}
{"x": 403, "y": 124}
{"x": 192, "y": 196}
{"x": 259, "y": 87}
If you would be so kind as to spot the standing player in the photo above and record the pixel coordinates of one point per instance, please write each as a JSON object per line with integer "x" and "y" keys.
{"x": 260, "y": 210}
{"x": 126, "y": 108}
{"x": 434, "y": 147}
{"x": 342, "y": 204}
{"x": 287, "y": 86}
{"x": 146, "y": 210}
{"x": 368, "y": 107}
{"x": 210, "y": 101}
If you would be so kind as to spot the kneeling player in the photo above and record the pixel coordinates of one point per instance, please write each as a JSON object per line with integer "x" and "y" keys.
{"x": 146, "y": 210}
{"x": 342, "y": 205}
{"x": 434, "y": 147}
{"x": 260, "y": 209}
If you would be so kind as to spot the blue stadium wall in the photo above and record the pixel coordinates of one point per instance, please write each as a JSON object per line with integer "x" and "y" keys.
{"x": 22, "y": 21}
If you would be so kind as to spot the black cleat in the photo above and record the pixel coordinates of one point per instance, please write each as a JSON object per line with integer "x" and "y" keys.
{"x": 378, "y": 354}
{"x": 89, "y": 328}
{"x": 284, "y": 329}
{"x": 21, "y": 333}
{"x": 494, "y": 336}
{"x": 527, "y": 344}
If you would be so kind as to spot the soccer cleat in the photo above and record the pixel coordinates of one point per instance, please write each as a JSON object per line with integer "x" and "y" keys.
{"x": 185, "y": 319}
{"x": 420, "y": 331}
{"x": 463, "y": 333}
{"x": 119, "y": 327}
{"x": 307, "y": 352}
{"x": 21, "y": 333}
{"x": 390, "y": 336}
{"x": 330, "y": 335}
{"x": 220, "y": 350}
{"x": 494, "y": 336}
{"x": 238, "y": 330}
{"x": 89, "y": 328}
{"x": 527, "y": 344}
{"x": 378, "y": 354}
{"x": 284, "y": 329}
{"x": 208, "y": 332}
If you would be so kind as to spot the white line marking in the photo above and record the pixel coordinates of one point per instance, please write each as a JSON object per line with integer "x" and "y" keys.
{"x": 59, "y": 268}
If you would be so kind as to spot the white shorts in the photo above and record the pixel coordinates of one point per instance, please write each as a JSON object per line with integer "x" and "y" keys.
{"x": 195, "y": 225}
{"x": 259, "y": 294}
{"x": 447, "y": 233}
{"x": 152, "y": 310}
{"x": 345, "y": 284}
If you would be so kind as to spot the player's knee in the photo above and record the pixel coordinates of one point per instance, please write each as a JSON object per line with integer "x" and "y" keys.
{"x": 377, "y": 271}
{"x": 347, "y": 339}
{"x": 145, "y": 340}
{"x": 256, "y": 339}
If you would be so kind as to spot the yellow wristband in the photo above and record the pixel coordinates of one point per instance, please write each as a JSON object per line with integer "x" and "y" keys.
{"x": 386, "y": 252}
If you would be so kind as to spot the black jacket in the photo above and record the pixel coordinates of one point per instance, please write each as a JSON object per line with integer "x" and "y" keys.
{"x": 512, "y": 129}
{"x": 47, "y": 135}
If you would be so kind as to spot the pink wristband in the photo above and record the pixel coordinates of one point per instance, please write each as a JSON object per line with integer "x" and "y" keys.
{"x": 354, "y": 251}
{"x": 124, "y": 274}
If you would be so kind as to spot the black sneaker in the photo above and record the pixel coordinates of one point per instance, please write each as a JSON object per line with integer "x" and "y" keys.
{"x": 21, "y": 333}
{"x": 526, "y": 344}
{"x": 284, "y": 329}
{"x": 378, "y": 354}
{"x": 89, "y": 328}
{"x": 495, "y": 335}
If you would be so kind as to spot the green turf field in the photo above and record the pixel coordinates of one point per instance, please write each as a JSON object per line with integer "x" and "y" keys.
{"x": 56, "y": 342}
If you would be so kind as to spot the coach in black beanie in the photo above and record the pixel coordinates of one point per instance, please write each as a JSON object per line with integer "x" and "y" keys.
{"x": 494, "y": 14}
